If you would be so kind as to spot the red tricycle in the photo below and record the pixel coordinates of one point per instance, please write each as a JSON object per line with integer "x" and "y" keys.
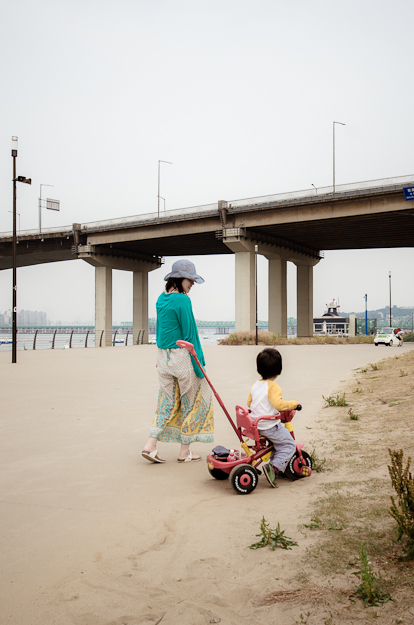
{"x": 243, "y": 469}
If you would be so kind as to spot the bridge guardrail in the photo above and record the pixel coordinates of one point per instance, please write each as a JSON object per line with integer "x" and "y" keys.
{"x": 67, "y": 339}
{"x": 205, "y": 208}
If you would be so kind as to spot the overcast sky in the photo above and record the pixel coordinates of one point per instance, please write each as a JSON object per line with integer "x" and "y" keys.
{"x": 239, "y": 95}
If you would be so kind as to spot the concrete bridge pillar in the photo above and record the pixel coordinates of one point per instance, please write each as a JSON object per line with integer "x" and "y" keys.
{"x": 277, "y": 295}
{"x": 103, "y": 305}
{"x": 244, "y": 280}
{"x": 304, "y": 287}
{"x": 140, "y": 304}
{"x": 104, "y": 261}
{"x": 245, "y": 292}
{"x": 278, "y": 255}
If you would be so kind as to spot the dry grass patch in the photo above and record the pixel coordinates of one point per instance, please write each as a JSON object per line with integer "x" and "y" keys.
{"x": 355, "y": 500}
{"x": 270, "y": 338}
{"x": 309, "y": 593}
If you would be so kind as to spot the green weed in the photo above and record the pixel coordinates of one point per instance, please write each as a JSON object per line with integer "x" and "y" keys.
{"x": 352, "y": 415}
{"x": 402, "y": 373}
{"x": 273, "y": 538}
{"x": 368, "y": 590}
{"x": 335, "y": 401}
{"x": 318, "y": 464}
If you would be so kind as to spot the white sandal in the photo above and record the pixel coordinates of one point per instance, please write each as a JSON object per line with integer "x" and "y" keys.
{"x": 189, "y": 458}
{"x": 152, "y": 456}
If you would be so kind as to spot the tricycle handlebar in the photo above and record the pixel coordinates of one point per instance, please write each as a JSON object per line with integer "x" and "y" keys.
{"x": 188, "y": 346}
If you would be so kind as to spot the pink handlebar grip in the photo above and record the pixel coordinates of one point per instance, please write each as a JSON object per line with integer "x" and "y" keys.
{"x": 188, "y": 346}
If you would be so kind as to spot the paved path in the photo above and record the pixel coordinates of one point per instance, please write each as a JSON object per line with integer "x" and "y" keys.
{"x": 80, "y": 508}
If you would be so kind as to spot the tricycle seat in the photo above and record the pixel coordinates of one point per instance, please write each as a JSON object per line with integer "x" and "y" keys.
{"x": 246, "y": 424}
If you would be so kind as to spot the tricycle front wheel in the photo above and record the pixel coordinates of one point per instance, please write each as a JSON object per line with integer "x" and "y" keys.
{"x": 244, "y": 478}
{"x": 295, "y": 470}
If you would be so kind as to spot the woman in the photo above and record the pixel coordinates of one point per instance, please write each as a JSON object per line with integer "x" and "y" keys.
{"x": 185, "y": 410}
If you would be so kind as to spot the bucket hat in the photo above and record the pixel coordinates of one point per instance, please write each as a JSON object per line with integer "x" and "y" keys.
{"x": 184, "y": 269}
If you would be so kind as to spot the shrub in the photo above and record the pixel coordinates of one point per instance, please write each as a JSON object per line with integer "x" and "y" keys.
{"x": 402, "y": 510}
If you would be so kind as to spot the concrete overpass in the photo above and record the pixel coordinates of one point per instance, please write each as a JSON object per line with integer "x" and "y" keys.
{"x": 291, "y": 227}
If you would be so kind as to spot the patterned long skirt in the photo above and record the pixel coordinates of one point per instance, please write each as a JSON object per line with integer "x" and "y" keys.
{"x": 185, "y": 407}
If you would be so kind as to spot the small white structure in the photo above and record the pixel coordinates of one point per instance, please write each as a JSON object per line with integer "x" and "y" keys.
{"x": 331, "y": 322}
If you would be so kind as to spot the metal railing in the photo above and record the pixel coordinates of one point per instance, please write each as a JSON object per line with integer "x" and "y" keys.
{"x": 36, "y": 338}
{"x": 332, "y": 329}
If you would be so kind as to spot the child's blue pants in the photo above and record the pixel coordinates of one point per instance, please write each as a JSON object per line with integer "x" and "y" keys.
{"x": 283, "y": 445}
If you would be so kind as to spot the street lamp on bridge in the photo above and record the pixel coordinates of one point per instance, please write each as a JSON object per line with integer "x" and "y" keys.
{"x": 14, "y": 293}
{"x": 390, "y": 300}
{"x": 334, "y": 151}
{"x": 168, "y": 162}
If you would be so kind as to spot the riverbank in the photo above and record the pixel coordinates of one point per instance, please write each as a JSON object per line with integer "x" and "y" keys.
{"x": 92, "y": 534}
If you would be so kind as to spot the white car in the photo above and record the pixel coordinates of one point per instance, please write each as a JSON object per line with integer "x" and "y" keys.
{"x": 385, "y": 336}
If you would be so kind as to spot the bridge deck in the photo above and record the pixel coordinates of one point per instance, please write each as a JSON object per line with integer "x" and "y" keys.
{"x": 367, "y": 215}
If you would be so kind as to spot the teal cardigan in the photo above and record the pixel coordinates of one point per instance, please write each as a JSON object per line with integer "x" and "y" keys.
{"x": 175, "y": 321}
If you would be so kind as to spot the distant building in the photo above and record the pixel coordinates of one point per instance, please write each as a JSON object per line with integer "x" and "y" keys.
{"x": 331, "y": 322}
{"x": 7, "y": 318}
{"x": 25, "y": 318}
{"x": 32, "y": 318}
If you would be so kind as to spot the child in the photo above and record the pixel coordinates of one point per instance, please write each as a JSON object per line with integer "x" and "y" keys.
{"x": 266, "y": 399}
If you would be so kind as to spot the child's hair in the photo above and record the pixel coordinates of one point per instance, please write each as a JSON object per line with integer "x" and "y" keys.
{"x": 269, "y": 363}
{"x": 175, "y": 283}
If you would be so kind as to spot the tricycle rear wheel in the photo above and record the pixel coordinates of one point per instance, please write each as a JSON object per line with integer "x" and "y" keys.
{"x": 218, "y": 474}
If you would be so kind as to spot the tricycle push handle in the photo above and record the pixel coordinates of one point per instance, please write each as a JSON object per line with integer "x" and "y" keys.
{"x": 188, "y": 346}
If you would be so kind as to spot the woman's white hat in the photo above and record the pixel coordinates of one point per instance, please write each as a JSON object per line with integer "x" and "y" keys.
{"x": 184, "y": 269}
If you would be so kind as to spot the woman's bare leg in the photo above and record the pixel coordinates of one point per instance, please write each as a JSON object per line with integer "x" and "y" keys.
{"x": 151, "y": 445}
{"x": 184, "y": 451}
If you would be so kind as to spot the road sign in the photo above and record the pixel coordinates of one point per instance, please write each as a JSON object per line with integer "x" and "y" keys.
{"x": 409, "y": 193}
{"x": 52, "y": 205}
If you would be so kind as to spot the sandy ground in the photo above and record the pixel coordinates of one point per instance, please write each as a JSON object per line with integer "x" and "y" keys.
{"x": 92, "y": 534}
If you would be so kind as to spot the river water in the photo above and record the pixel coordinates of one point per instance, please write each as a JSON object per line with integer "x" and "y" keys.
{"x": 44, "y": 341}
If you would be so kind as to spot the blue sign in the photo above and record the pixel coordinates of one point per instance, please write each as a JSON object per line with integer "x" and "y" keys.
{"x": 409, "y": 193}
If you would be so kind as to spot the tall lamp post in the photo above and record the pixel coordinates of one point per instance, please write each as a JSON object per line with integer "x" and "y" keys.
{"x": 18, "y": 214}
{"x": 159, "y": 184}
{"x": 256, "y": 249}
{"x": 390, "y": 300}
{"x": 366, "y": 315}
{"x": 14, "y": 293}
{"x": 334, "y": 151}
